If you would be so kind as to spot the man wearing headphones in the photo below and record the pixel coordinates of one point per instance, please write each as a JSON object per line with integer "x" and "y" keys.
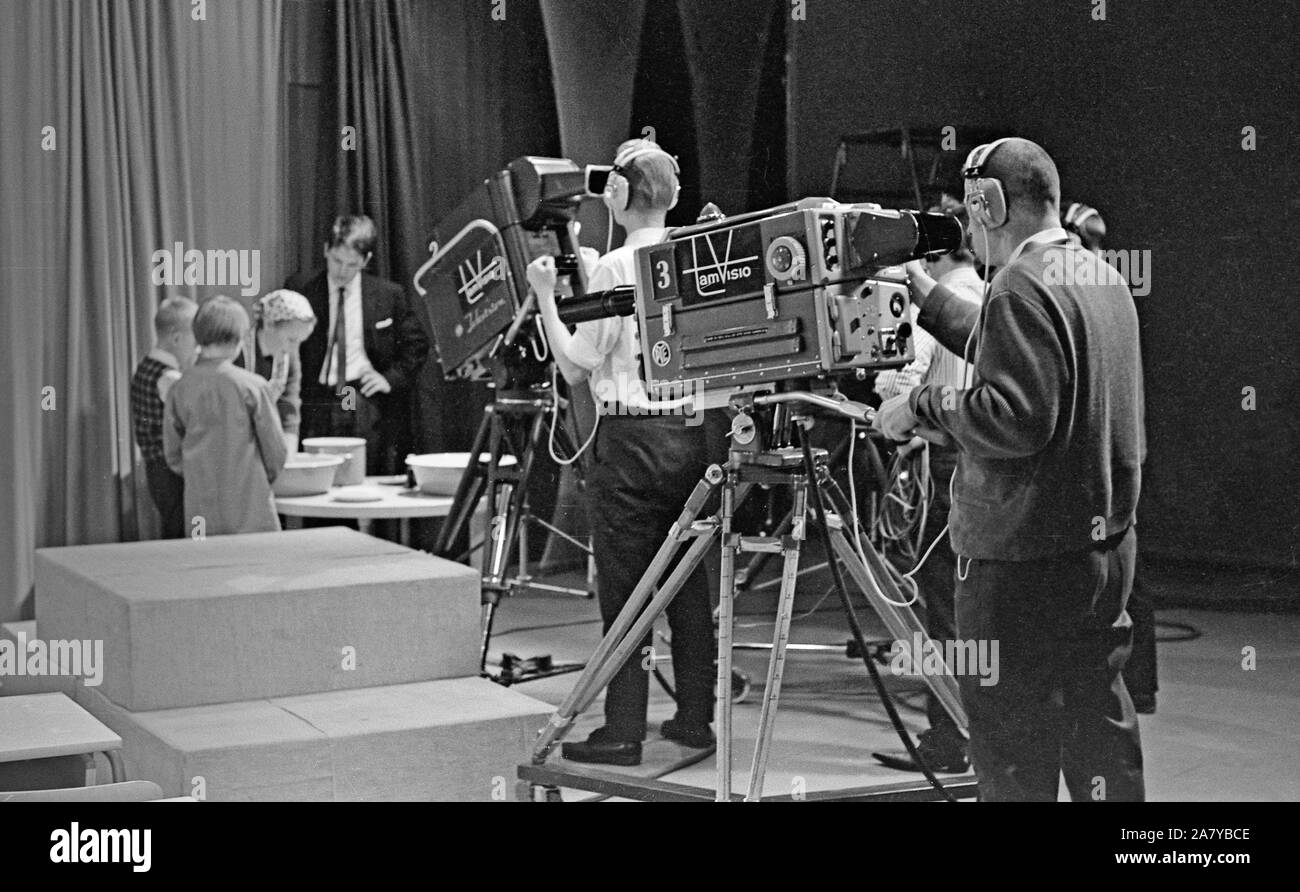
{"x": 644, "y": 468}
{"x": 1051, "y": 441}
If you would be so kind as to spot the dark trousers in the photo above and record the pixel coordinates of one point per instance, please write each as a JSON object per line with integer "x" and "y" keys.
{"x": 935, "y": 580}
{"x": 377, "y": 420}
{"x": 643, "y": 471}
{"x": 373, "y": 419}
{"x": 167, "y": 489}
{"x": 1060, "y": 705}
{"x": 1140, "y": 674}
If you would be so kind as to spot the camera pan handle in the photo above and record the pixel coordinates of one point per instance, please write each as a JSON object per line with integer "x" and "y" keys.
{"x": 855, "y": 411}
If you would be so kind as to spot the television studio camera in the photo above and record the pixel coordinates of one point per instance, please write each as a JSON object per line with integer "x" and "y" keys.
{"x": 763, "y": 312}
{"x": 474, "y": 284}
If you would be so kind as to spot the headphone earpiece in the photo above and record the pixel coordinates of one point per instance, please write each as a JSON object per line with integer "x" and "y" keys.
{"x": 625, "y": 167}
{"x": 617, "y": 182}
{"x": 986, "y": 200}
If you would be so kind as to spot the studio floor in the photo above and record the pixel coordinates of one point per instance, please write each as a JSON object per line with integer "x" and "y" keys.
{"x": 1221, "y": 732}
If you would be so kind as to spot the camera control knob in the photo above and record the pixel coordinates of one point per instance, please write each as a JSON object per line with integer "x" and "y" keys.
{"x": 743, "y": 429}
{"x": 787, "y": 261}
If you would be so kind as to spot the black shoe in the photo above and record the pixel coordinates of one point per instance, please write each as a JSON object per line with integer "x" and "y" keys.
{"x": 1145, "y": 704}
{"x": 601, "y": 749}
{"x": 940, "y": 751}
{"x": 695, "y": 736}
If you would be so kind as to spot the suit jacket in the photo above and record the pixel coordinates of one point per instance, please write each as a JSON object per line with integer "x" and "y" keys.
{"x": 394, "y": 340}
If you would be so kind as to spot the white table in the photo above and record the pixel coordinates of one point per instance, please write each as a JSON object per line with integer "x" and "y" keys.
{"x": 42, "y": 726}
{"x": 394, "y": 503}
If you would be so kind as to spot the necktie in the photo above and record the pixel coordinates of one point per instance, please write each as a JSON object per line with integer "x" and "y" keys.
{"x": 341, "y": 345}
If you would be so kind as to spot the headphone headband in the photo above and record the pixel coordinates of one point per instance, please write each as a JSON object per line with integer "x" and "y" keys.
{"x": 1077, "y": 213}
{"x": 978, "y": 159}
{"x": 624, "y": 163}
{"x": 642, "y": 149}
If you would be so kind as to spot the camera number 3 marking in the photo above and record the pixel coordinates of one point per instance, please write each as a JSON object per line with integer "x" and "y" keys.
{"x": 661, "y": 353}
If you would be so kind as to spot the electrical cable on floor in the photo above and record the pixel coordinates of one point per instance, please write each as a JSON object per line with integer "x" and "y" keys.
{"x": 578, "y": 622}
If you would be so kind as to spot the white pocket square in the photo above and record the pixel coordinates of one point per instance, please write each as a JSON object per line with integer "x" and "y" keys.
{"x": 384, "y": 323}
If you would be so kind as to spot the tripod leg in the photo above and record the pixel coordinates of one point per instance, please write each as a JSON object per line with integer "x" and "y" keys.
{"x": 462, "y": 505}
{"x": 748, "y": 573}
{"x": 622, "y": 640}
{"x": 513, "y": 505}
{"x": 489, "y": 614}
{"x": 631, "y": 625}
{"x": 780, "y": 638}
{"x": 726, "y": 598}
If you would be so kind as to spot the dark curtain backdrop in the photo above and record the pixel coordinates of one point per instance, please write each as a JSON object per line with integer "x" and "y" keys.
{"x": 442, "y": 95}
{"x": 1143, "y": 114}
{"x": 166, "y": 129}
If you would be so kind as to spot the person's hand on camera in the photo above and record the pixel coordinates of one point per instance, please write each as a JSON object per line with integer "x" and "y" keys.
{"x": 541, "y": 278}
{"x": 895, "y": 418}
{"x": 919, "y": 281}
{"x": 372, "y": 383}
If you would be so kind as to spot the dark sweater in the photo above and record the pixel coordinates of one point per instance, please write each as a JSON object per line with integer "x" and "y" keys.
{"x": 1050, "y": 434}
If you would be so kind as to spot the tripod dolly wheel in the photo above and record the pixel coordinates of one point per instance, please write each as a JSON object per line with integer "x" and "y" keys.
{"x": 740, "y": 686}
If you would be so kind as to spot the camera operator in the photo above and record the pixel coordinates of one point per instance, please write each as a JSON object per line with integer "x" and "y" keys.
{"x": 1051, "y": 443}
{"x": 942, "y": 746}
{"x": 644, "y": 469}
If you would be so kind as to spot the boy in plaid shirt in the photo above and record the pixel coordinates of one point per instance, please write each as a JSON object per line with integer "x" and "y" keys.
{"x": 174, "y": 351}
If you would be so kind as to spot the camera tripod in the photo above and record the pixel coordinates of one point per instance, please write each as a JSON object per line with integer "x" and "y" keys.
{"x": 746, "y": 574}
{"x": 513, "y": 424}
{"x": 752, "y": 462}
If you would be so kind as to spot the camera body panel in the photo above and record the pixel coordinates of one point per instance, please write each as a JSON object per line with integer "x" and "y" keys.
{"x": 474, "y": 282}
{"x": 805, "y": 290}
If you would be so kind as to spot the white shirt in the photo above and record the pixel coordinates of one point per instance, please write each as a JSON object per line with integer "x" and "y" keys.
{"x": 934, "y": 363}
{"x": 169, "y": 377}
{"x": 609, "y": 349}
{"x": 1044, "y": 236}
{"x": 357, "y": 361}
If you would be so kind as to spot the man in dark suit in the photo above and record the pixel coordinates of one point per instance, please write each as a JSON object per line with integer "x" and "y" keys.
{"x": 377, "y": 342}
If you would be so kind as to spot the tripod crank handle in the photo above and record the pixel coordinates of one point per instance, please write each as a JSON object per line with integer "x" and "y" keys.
{"x": 855, "y": 411}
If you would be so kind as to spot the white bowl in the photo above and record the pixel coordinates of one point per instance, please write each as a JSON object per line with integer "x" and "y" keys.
{"x": 307, "y": 474}
{"x": 439, "y": 473}
{"x": 353, "y": 451}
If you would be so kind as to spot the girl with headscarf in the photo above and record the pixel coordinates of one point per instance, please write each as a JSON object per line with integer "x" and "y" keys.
{"x": 281, "y": 321}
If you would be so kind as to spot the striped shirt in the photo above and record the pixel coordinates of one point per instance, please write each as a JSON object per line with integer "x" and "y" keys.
{"x": 934, "y": 363}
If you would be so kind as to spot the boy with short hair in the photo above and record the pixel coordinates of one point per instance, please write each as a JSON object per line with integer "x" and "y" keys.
{"x": 222, "y": 430}
{"x": 644, "y": 467}
{"x": 174, "y": 351}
